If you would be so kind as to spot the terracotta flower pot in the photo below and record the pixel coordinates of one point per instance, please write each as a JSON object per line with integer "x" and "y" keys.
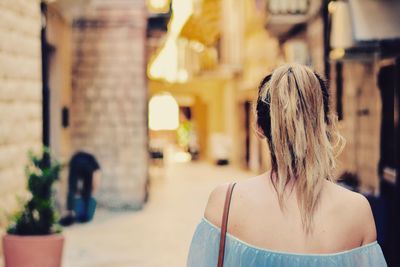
{"x": 33, "y": 251}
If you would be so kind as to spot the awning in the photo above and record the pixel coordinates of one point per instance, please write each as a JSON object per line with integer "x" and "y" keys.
{"x": 375, "y": 20}
{"x": 364, "y": 29}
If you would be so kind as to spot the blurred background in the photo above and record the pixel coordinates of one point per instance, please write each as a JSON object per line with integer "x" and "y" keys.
{"x": 161, "y": 92}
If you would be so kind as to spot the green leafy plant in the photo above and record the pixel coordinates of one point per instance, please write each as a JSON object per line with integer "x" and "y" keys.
{"x": 183, "y": 132}
{"x": 38, "y": 215}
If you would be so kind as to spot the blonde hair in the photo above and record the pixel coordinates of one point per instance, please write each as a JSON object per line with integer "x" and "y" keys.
{"x": 293, "y": 112}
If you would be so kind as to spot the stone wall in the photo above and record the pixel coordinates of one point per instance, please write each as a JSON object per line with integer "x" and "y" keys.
{"x": 109, "y": 98}
{"x": 360, "y": 126}
{"x": 20, "y": 95}
{"x": 361, "y": 122}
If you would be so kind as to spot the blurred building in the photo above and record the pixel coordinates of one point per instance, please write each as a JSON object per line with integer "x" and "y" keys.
{"x": 365, "y": 75}
{"x": 73, "y": 78}
{"x": 213, "y": 56}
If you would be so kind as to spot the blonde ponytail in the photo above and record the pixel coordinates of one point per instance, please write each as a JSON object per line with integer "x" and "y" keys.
{"x": 303, "y": 138}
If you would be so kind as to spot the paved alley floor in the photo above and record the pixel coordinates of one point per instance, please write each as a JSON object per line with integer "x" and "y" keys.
{"x": 157, "y": 236}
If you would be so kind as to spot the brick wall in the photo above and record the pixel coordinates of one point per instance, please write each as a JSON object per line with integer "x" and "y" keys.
{"x": 109, "y": 98}
{"x": 20, "y": 95}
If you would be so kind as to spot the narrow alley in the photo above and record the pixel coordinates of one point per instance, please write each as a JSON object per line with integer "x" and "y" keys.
{"x": 134, "y": 110}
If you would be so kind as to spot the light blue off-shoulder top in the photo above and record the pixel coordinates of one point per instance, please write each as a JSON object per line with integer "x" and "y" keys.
{"x": 205, "y": 244}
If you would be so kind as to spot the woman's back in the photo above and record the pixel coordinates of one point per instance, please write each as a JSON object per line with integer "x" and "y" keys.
{"x": 343, "y": 219}
{"x": 259, "y": 234}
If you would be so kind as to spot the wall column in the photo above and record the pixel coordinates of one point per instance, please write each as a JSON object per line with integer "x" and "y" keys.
{"x": 109, "y": 97}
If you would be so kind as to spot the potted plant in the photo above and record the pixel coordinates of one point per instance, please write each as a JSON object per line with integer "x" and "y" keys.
{"x": 34, "y": 239}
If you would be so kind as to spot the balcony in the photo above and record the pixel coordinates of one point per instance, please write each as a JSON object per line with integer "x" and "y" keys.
{"x": 284, "y": 16}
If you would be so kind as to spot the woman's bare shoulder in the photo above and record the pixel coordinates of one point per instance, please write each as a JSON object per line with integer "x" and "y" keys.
{"x": 353, "y": 199}
{"x": 355, "y": 209}
{"x": 216, "y": 200}
{"x": 215, "y": 204}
